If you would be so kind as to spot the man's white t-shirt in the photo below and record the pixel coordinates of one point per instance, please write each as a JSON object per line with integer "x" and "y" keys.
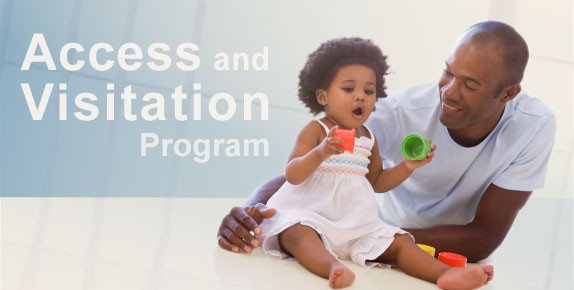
{"x": 447, "y": 191}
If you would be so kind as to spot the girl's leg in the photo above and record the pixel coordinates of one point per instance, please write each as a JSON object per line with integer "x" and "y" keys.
{"x": 303, "y": 243}
{"x": 415, "y": 262}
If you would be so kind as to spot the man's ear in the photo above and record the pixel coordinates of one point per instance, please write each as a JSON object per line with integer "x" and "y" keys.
{"x": 509, "y": 92}
{"x": 321, "y": 96}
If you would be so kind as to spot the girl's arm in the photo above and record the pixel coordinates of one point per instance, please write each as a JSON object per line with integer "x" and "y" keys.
{"x": 311, "y": 148}
{"x": 384, "y": 180}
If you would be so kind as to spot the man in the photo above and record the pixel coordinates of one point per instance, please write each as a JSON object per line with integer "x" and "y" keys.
{"x": 493, "y": 146}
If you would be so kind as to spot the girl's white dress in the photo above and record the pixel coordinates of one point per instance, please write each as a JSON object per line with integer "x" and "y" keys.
{"x": 338, "y": 202}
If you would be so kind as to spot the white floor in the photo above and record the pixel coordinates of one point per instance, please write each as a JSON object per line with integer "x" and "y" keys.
{"x": 163, "y": 243}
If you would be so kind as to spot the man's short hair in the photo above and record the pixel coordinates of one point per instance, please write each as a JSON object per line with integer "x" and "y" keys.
{"x": 505, "y": 39}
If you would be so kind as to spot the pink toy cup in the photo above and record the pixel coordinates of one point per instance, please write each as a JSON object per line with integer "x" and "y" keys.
{"x": 452, "y": 259}
{"x": 348, "y": 137}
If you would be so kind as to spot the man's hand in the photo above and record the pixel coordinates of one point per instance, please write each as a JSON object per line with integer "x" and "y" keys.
{"x": 239, "y": 229}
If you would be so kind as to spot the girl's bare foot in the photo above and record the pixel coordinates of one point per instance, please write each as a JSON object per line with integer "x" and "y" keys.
{"x": 465, "y": 278}
{"x": 340, "y": 276}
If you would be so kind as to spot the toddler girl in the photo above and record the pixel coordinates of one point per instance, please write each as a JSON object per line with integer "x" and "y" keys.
{"x": 327, "y": 209}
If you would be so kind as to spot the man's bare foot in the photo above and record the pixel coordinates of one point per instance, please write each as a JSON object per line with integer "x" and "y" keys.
{"x": 465, "y": 278}
{"x": 340, "y": 276}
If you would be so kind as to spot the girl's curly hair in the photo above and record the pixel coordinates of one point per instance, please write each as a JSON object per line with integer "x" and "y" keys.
{"x": 324, "y": 63}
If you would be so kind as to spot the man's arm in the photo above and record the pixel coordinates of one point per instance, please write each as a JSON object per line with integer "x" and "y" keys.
{"x": 476, "y": 240}
{"x": 235, "y": 231}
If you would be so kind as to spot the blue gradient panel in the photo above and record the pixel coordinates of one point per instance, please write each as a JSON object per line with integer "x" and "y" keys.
{"x": 62, "y": 155}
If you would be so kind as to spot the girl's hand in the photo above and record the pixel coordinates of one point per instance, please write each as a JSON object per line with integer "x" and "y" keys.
{"x": 414, "y": 164}
{"x": 330, "y": 145}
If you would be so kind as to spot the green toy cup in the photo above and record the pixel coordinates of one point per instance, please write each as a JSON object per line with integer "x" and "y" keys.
{"x": 415, "y": 147}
